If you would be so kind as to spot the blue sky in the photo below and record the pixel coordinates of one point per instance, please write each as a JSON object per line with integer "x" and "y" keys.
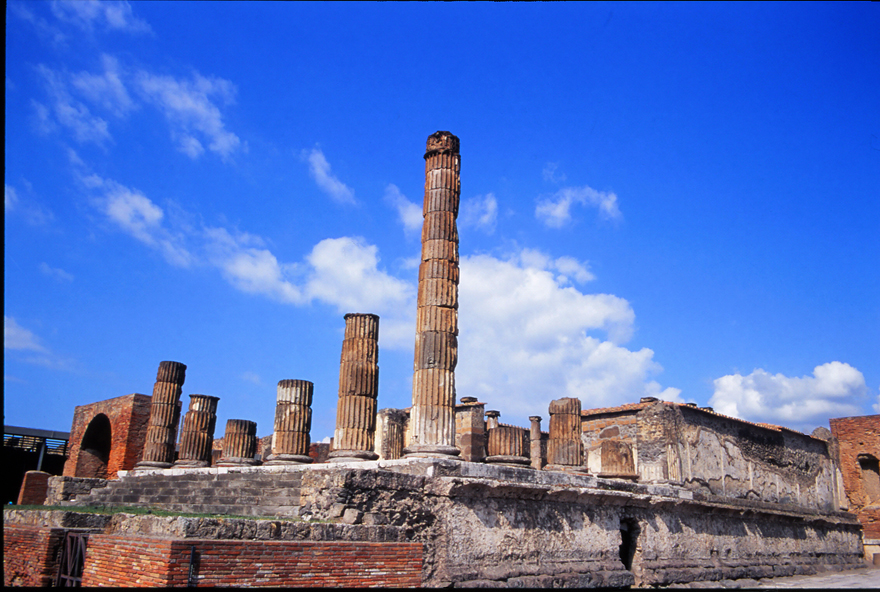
{"x": 676, "y": 200}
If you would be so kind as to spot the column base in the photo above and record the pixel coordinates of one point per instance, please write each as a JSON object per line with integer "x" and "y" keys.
{"x": 352, "y": 456}
{"x": 518, "y": 462}
{"x": 430, "y": 451}
{"x": 190, "y": 464}
{"x": 287, "y": 459}
{"x": 237, "y": 462}
{"x": 146, "y": 465}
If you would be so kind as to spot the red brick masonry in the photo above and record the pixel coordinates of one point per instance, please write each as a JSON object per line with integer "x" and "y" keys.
{"x": 30, "y": 555}
{"x": 114, "y": 560}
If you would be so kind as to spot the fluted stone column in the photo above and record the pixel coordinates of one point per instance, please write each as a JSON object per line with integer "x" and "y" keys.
{"x": 293, "y": 422}
{"x": 492, "y": 419}
{"x": 390, "y": 432}
{"x": 355, "y": 434}
{"x": 164, "y": 415}
{"x": 535, "y": 442}
{"x": 239, "y": 443}
{"x": 565, "y": 449}
{"x": 197, "y": 435}
{"x": 508, "y": 445}
{"x": 436, "y": 351}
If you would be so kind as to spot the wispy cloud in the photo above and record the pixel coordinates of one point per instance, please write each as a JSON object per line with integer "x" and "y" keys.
{"x": 410, "y": 214}
{"x": 137, "y": 215}
{"x": 55, "y": 273}
{"x": 549, "y": 173}
{"x": 191, "y": 111}
{"x": 835, "y": 389}
{"x": 32, "y": 212}
{"x": 68, "y": 112}
{"x": 105, "y": 89}
{"x": 555, "y": 211}
{"x": 480, "y": 212}
{"x": 106, "y": 15}
{"x": 16, "y": 337}
{"x": 252, "y": 377}
{"x": 319, "y": 168}
{"x": 10, "y": 197}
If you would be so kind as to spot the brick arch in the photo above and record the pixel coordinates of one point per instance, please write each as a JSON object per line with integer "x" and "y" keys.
{"x": 94, "y": 449}
{"x": 127, "y": 418}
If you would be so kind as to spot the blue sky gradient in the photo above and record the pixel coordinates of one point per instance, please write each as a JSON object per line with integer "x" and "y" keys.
{"x": 677, "y": 200}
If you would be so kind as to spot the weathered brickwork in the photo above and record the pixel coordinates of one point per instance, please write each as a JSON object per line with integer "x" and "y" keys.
{"x": 123, "y": 561}
{"x": 127, "y": 417}
{"x": 858, "y": 440}
{"x": 34, "y": 488}
{"x": 30, "y": 555}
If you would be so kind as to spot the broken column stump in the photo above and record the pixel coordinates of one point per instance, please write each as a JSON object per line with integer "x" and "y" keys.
{"x": 164, "y": 415}
{"x": 355, "y": 434}
{"x": 537, "y": 461}
{"x": 509, "y": 446}
{"x": 293, "y": 422}
{"x": 565, "y": 451}
{"x": 239, "y": 443}
{"x": 197, "y": 435}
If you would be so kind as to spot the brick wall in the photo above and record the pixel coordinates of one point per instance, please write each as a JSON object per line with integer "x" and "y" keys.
{"x": 128, "y": 416}
{"x": 30, "y": 555}
{"x": 145, "y": 562}
{"x": 34, "y": 488}
{"x": 859, "y": 436}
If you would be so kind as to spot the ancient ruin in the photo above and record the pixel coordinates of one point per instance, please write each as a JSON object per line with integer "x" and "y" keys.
{"x": 443, "y": 494}
{"x": 436, "y": 351}
{"x": 293, "y": 422}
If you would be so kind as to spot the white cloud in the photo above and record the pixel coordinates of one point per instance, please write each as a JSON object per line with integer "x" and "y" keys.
{"x": 549, "y": 173}
{"x": 68, "y": 112}
{"x": 319, "y": 168}
{"x": 410, "y": 214}
{"x": 16, "y": 337}
{"x": 527, "y": 338}
{"x": 138, "y": 216}
{"x": 11, "y": 197}
{"x": 833, "y": 390}
{"x": 189, "y": 107}
{"x": 555, "y": 211}
{"x": 109, "y": 15}
{"x": 55, "y": 273}
{"x": 105, "y": 89}
{"x": 480, "y": 212}
{"x": 876, "y": 406}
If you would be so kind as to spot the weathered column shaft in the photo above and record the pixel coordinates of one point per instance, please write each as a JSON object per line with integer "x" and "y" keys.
{"x": 390, "y": 431}
{"x": 565, "y": 448}
{"x": 535, "y": 442}
{"x": 164, "y": 415}
{"x": 197, "y": 435}
{"x": 293, "y": 422}
{"x": 239, "y": 443}
{"x": 354, "y": 438}
{"x": 436, "y": 346}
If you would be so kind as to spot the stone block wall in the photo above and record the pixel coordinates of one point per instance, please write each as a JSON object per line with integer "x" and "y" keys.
{"x": 608, "y": 443}
{"x": 30, "y": 555}
{"x": 128, "y": 417}
{"x": 127, "y": 561}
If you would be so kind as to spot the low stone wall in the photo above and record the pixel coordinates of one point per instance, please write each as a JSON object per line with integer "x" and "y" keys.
{"x": 64, "y": 489}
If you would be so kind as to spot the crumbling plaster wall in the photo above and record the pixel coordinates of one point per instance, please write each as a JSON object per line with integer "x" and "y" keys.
{"x": 713, "y": 454}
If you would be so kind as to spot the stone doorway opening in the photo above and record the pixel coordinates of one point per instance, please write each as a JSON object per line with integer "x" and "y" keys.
{"x": 629, "y": 539}
{"x": 94, "y": 453}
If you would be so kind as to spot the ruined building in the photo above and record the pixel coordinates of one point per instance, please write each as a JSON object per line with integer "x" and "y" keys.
{"x": 443, "y": 493}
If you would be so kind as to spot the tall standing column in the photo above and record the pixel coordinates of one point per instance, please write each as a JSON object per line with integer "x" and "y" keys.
{"x": 565, "y": 449}
{"x": 436, "y": 353}
{"x": 164, "y": 415}
{"x": 293, "y": 422}
{"x": 197, "y": 435}
{"x": 239, "y": 443}
{"x": 355, "y": 434}
{"x": 535, "y": 442}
